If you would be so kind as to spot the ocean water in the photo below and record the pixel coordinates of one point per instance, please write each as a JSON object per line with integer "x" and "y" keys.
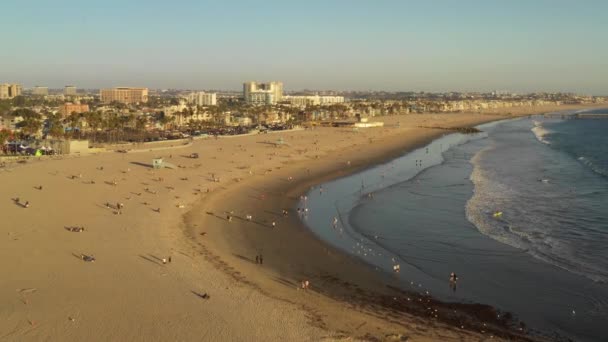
{"x": 545, "y": 259}
{"x": 554, "y": 195}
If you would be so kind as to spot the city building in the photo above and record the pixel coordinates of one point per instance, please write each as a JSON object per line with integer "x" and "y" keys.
{"x": 10, "y": 122}
{"x": 124, "y": 95}
{"x": 314, "y": 100}
{"x": 202, "y": 99}
{"x": 69, "y": 108}
{"x": 8, "y": 91}
{"x": 69, "y": 90}
{"x": 41, "y": 91}
{"x": 263, "y": 93}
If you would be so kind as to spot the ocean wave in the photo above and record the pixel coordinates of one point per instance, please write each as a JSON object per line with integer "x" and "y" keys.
{"x": 518, "y": 226}
{"x": 541, "y": 132}
{"x": 591, "y": 165}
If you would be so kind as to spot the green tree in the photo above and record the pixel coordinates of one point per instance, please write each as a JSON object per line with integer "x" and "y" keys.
{"x": 4, "y": 135}
{"x": 30, "y": 125}
{"x": 94, "y": 121}
{"x": 55, "y": 125}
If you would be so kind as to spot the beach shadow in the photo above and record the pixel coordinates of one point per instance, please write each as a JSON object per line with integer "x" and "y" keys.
{"x": 82, "y": 257}
{"x": 274, "y": 213}
{"x": 155, "y": 257}
{"x": 218, "y": 216}
{"x": 244, "y": 258}
{"x": 148, "y": 166}
{"x": 200, "y": 295}
{"x": 16, "y": 201}
{"x": 149, "y": 259}
{"x": 285, "y": 282}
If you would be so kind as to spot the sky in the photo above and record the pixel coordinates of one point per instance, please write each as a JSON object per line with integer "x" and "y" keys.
{"x": 401, "y": 45}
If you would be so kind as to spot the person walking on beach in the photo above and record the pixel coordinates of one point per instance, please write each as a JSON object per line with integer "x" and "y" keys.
{"x": 261, "y": 259}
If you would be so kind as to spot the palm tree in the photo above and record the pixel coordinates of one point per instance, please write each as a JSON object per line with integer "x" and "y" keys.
{"x": 94, "y": 121}
{"x": 140, "y": 126}
{"x": 73, "y": 121}
{"x": 55, "y": 127}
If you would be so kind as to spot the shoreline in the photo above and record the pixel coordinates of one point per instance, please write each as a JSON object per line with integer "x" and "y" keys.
{"x": 342, "y": 264}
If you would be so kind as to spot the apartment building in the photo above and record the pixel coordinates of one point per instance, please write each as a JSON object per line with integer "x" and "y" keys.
{"x": 202, "y": 99}
{"x": 124, "y": 95}
{"x": 70, "y": 90}
{"x": 9, "y": 91}
{"x": 263, "y": 93}
{"x": 40, "y": 91}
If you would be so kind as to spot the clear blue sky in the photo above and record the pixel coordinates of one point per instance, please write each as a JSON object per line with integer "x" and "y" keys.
{"x": 516, "y": 45}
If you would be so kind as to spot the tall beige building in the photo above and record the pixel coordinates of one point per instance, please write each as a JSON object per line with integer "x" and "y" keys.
{"x": 42, "y": 91}
{"x": 8, "y": 91}
{"x": 70, "y": 90}
{"x": 262, "y": 93}
{"x": 124, "y": 95}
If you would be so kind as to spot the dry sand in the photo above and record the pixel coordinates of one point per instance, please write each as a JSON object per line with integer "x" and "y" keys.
{"x": 47, "y": 292}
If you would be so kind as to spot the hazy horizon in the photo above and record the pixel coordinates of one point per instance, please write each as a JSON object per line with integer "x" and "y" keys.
{"x": 436, "y": 46}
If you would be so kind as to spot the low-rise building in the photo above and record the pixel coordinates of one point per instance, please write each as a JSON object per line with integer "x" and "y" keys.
{"x": 10, "y": 122}
{"x": 69, "y": 108}
{"x": 312, "y": 100}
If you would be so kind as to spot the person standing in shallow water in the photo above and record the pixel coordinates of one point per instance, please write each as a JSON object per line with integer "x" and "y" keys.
{"x": 453, "y": 279}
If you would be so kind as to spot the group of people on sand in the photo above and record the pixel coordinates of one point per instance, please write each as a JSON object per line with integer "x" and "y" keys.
{"x": 259, "y": 259}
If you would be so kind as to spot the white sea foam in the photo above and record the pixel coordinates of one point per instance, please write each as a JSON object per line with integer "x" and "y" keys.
{"x": 541, "y": 132}
{"x": 592, "y": 166}
{"x": 529, "y": 233}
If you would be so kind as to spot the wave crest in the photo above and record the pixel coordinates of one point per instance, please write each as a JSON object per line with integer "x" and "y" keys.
{"x": 541, "y": 132}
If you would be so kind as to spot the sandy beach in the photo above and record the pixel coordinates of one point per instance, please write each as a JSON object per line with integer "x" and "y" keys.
{"x": 170, "y": 254}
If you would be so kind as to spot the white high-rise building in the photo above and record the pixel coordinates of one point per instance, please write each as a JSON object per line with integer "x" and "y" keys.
{"x": 267, "y": 93}
{"x": 202, "y": 99}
